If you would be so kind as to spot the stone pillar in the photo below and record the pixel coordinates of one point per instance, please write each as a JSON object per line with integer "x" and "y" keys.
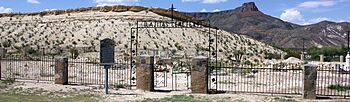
{"x": 309, "y": 82}
{"x": 199, "y": 75}
{"x": 61, "y": 71}
{"x": 321, "y": 58}
{"x": 145, "y": 73}
{"x": 302, "y": 57}
{"x": 282, "y": 56}
{"x": 341, "y": 58}
{"x": 0, "y": 66}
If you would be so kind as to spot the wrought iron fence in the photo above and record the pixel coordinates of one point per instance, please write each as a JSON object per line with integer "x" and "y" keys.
{"x": 89, "y": 72}
{"x": 28, "y": 68}
{"x": 333, "y": 80}
{"x": 274, "y": 79}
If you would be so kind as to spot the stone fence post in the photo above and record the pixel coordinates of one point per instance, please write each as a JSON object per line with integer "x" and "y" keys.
{"x": 309, "y": 81}
{"x": 282, "y": 56}
{"x": 341, "y": 58}
{"x": 0, "y": 66}
{"x": 199, "y": 75}
{"x": 145, "y": 73}
{"x": 302, "y": 57}
{"x": 321, "y": 58}
{"x": 61, "y": 71}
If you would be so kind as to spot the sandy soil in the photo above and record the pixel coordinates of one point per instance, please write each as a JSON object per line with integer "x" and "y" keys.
{"x": 123, "y": 95}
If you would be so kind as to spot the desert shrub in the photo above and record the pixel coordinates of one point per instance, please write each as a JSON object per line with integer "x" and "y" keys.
{"x": 118, "y": 86}
{"x": 272, "y": 56}
{"x": 178, "y": 46}
{"x": 6, "y": 43}
{"x": 8, "y": 81}
{"x": 244, "y": 72}
{"x": 74, "y": 53}
{"x": 32, "y": 51}
{"x": 247, "y": 62}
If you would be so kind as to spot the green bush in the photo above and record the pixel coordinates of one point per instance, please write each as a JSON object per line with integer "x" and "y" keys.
{"x": 74, "y": 53}
{"x": 339, "y": 87}
{"x": 314, "y": 53}
{"x": 272, "y": 56}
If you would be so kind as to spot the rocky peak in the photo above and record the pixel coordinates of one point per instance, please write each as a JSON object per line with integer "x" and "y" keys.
{"x": 248, "y": 9}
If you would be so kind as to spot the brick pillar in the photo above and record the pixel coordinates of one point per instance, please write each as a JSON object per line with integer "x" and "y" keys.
{"x": 199, "y": 75}
{"x": 341, "y": 58}
{"x": 145, "y": 73}
{"x": 309, "y": 82}
{"x": 321, "y": 58}
{"x": 61, "y": 71}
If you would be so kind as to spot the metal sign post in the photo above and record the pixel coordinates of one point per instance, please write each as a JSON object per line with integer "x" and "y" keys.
{"x": 106, "y": 67}
{"x": 106, "y": 57}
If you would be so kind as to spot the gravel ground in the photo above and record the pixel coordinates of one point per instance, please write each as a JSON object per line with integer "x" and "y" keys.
{"x": 96, "y": 93}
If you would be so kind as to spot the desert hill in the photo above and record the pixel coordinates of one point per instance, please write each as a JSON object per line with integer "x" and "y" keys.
{"x": 54, "y": 32}
{"x": 249, "y": 20}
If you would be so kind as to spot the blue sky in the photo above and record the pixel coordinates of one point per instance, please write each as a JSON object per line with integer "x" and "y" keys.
{"x": 296, "y": 11}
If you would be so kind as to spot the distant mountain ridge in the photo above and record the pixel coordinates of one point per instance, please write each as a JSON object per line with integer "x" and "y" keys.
{"x": 249, "y": 20}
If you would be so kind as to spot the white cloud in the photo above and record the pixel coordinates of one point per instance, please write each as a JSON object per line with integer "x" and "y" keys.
{"x": 205, "y": 1}
{"x": 5, "y": 10}
{"x": 292, "y": 15}
{"x": 189, "y": 0}
{"x": 216, "y": 10}
{"x": 50, "y": 9}
{"x": 204, "y": 10}
{"x": 33, "y": 1}
{"x": 115, "y": 2}
{"x": 315, "y": 4}
{"x": 316, "y": 20}
{"x": 213, "y": 1}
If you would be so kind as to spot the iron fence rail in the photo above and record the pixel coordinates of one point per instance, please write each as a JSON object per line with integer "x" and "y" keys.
{"x": 87, "y": 72}
{"x": 255, "y": 79}
{"x": 332, "y": 80}
{"x": 34, "y": 68}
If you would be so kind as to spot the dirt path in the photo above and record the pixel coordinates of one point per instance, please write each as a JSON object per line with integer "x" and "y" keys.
{"x": 96, "y": 93}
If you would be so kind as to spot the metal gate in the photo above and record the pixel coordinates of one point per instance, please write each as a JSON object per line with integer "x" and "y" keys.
{"x": 171, "y": 72}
